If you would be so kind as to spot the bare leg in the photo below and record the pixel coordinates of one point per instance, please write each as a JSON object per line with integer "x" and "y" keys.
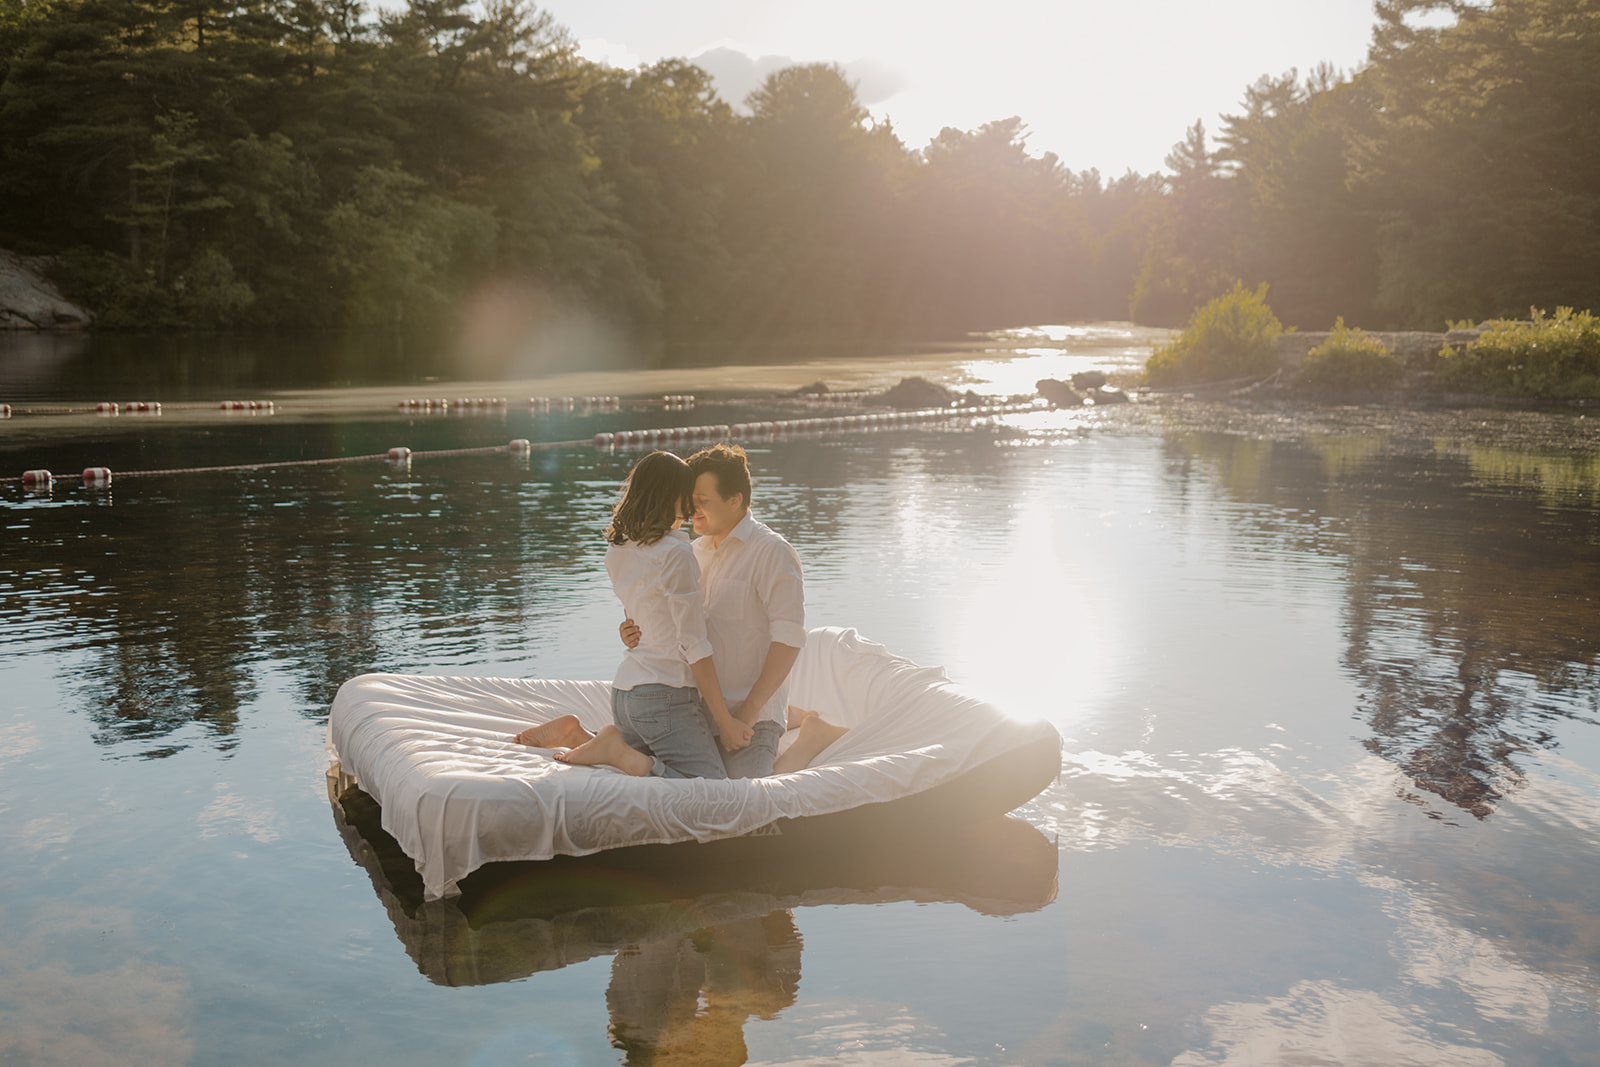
{"x": 608, "y": 749}
{"x": 816, "y": 734}
{"x": 564, "y": 731}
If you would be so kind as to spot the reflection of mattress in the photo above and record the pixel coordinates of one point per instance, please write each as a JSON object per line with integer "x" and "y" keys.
{"x": 457, "y": 792}
{"x": 519, "y": 918}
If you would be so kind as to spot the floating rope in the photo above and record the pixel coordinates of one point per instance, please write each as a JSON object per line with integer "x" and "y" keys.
{"x": 100, "y": 477}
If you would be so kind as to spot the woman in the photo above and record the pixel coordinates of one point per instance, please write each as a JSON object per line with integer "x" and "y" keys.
{"x": 667, "y": 706}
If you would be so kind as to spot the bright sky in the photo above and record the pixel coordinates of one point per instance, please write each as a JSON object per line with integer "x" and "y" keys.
{"x": 1111, "y": 84}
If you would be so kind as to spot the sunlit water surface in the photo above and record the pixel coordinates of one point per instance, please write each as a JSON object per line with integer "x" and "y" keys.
{"x": 1327, "y": 683}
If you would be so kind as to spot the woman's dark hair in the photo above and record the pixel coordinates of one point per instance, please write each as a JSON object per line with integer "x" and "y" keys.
{"x": 659, "y": 488}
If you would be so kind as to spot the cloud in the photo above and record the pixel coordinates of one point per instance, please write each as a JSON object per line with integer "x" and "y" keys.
{"x": 609, "y": 53}
{"x": 131, "y": 1011}
{"x": 230, "y": 814}
{"x": 876, "y": 81}
{"x": 1321, "y": 1022}
{"x": 737, "y": 74}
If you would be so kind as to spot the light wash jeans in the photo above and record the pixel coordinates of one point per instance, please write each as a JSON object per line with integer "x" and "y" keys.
{"x": 671, "y": 725}
{"x": 755, "y": 759}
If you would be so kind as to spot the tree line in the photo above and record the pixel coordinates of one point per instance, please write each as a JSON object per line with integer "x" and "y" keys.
{"x": 265, "y": 163}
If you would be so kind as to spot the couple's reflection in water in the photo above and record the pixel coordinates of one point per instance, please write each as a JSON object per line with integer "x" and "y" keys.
{"x": 686, "y": 999}
{"x": 703, "y": 937}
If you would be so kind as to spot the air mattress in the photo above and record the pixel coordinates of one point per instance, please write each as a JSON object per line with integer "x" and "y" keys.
{"x": 457, "y": 792}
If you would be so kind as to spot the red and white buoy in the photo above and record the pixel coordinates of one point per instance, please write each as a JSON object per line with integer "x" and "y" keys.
{"x": 97, "y": 477}
{"x": 106, "y": 408}
{"x": 38, "y": 480}
{"x": 521, "y": 446}
{"x": 5, "y": 411}
{"x": 400, "y": 454}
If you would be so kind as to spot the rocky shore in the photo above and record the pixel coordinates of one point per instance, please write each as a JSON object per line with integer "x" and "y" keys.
{"x": 28, "y": 301}
{"x": 1412, "y": 346}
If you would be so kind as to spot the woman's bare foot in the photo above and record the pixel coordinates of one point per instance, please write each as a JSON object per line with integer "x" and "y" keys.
{"x": 816, "y": 734}
{"x": 562, "y": 732}
{"x": 608, "y": 749}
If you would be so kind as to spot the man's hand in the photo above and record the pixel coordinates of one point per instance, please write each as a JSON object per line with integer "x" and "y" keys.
{"x": 629, "y": 632}
{"x": 735, "y": 734}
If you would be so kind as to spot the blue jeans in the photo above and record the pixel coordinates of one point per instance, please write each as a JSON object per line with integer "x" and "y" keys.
{"x": 755, "y": 759}
{"x": 672, "y": 726}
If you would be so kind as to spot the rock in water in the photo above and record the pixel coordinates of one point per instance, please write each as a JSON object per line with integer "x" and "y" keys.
{"x": 1089, "y": 379}
{"x": 913, "y": 393}
{"x": 1059, "y": 394}
{"x": 29, "y": 302}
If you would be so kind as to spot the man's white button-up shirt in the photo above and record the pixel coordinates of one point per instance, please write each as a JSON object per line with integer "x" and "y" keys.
{"x": 754, "y": 596}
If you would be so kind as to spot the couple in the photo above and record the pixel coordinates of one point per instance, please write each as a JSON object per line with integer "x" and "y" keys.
{"x": 713, "y": 629}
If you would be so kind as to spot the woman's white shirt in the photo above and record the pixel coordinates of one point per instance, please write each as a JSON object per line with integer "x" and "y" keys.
{"x": 659, "y": 586}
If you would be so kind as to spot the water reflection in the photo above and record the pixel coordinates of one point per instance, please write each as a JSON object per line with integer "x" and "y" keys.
{"x": 179, "y": 594}
{"x": 1469, "y": 618}
{"x": 703, "y": 937}
{"x": 182, "y": 592}
{"x": 1258, "y": 629}
{"x": 688, "y": 998}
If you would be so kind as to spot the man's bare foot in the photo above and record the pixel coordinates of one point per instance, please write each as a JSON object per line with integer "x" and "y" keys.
{"x": 562, "y": 732}
{"x": 816, "y": 734}
{"x": 608, "y": 749}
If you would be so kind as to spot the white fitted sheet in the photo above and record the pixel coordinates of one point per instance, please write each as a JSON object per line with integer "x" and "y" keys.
{"x": 457, "y": 792}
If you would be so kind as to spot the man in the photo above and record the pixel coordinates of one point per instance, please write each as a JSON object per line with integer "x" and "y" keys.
{"x": 755, "y": 604}
{"x": 755, "y": 619}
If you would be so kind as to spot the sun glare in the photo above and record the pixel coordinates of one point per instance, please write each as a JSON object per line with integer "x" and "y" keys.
{"x": 1037, "y": 629}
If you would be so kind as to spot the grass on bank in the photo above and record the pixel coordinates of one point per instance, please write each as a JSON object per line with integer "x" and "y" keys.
{"x": 1350, "y": 359}
{"x": 1555, "y": 356}
{"x": 1230, "y": 337}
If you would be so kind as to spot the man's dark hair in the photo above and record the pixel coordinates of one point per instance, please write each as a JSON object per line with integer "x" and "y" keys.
{"x": 731, "y": 466}
{"x": 659, "y": 489}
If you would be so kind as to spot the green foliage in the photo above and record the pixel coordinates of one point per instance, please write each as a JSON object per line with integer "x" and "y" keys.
{"x": 1452, "y": 175}
{"x": 1350, "y": 359}
{"x": 123, "y": 295}
{"x": 1550, "y": 356}
{"x": 1184, "y": 265}
{"x": 299, "y": 162}
{"x": 1477, "y": 150}
{"x": 349, "y": 168}
{"x": 1229, "y": 337}
{"x": 396, "y": 246}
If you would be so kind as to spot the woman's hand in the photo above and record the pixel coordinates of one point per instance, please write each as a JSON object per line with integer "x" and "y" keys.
{"x": 629, "y": 632}
{"x": 735, "y": 734}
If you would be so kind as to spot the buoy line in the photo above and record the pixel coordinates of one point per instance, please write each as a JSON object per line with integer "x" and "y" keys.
{"x": 100, "y": 477}
{"x": 400, "y": 456}
{"x": 888, "y": 420}
{"x": 586, "y": 405}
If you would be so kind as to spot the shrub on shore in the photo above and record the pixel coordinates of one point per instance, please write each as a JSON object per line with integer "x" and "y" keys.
{"x": 1350, "y": 359}
{"x": 1230, "y": 337}
{"x": 1556, "y": 356}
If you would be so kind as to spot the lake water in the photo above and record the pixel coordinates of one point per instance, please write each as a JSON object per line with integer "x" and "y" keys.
{"x": 1326, "y": 678}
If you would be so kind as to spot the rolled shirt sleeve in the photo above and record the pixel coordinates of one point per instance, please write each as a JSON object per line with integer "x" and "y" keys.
{"x": 783, "y": 591}
{"x": 680, "y": 579}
